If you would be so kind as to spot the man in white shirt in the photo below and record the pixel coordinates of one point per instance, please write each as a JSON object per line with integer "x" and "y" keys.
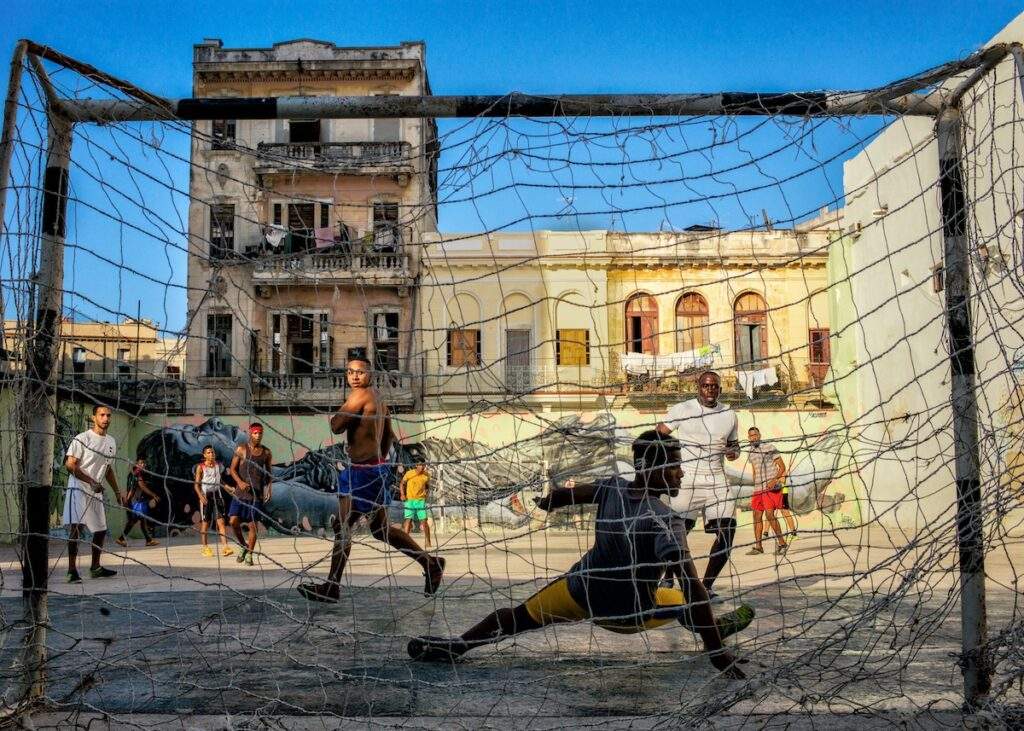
{"x": 707, "y": 433}
{"x": 89, "y": 461}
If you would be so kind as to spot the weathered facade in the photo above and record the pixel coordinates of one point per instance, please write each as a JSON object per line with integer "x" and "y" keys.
{"x": 891, "y": 373}
{"x": 129, "y": 364}
{"x": 577, "y": 320}
{"x": 304, "y": 233}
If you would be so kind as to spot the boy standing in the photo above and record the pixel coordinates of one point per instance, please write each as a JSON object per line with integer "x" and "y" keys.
{"x": 209, "y": 478}
{"x": 769, "y": 471}
{"x": 413, "y": 493}
{"x": 89, "y": 460}
{"x": 251, "y": 470}
{"x": 139, "y": 499}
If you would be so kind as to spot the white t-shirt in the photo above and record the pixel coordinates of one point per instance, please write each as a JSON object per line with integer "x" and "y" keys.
{"x": 95, "y": 454}
{"x": 703, "y": 434}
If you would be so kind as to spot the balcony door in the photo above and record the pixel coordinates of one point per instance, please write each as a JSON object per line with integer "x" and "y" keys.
{"x": 300, "y": 343}
{"x": 517, "y": 360}
{"x": 301, "y": 223}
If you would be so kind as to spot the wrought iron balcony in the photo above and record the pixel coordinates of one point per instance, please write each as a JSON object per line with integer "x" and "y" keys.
{"x": 325, "y": 391}
{"x": 370, "y": 158}
{"x": 124, "y": 390}
{"x": 381, "y": 268}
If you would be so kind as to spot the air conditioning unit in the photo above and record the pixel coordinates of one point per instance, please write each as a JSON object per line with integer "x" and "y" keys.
{"x": 262, "y": 291}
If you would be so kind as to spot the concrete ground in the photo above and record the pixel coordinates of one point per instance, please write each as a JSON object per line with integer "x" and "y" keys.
{"x": 855, "y": 628}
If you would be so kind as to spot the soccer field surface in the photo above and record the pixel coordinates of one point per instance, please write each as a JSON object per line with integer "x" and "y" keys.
{"x": 176, "y": 633}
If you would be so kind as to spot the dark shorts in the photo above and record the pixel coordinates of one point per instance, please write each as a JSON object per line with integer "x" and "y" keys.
{"x": 140, "y": 508}
{"x": 245, "y": 511}
{"x": 213, "y": 509}
{"x": 368, "y": 485}
{"x": 785, "y": 500}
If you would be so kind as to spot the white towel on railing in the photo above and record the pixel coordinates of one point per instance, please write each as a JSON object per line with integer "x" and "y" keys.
{"x": 645, "y": 363}
{"x": 638, "y": 363}
{"x": 750, "y": 380}
{"x": 274, "y": 235}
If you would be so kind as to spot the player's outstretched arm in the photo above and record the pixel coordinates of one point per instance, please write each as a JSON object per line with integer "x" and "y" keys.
{"x": 561, "y": 497}
{"x": 704, "y": 619}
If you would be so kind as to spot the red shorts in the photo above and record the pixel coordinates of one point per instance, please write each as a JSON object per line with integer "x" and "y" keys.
{"x": 762, "y": 501}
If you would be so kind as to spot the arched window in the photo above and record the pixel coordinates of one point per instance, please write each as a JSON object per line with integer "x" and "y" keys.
{"x": 750, "y": 322}
{"x": 642, "y": 324}
{"x": 691, "y": 322}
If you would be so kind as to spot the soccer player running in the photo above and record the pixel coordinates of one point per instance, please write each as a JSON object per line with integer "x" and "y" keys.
{"x": 615, "y": 584}
{"x": 769, "y": 471}
{"x": 251, "y": 471}
{"x": 138, "y": 500}
{"x": 707, "y": 432}
{"x": 89, "y": 460}
{"x": 209, "y": 479}
{"x": 364, "y": 487}
{"x": 413, "y": 493}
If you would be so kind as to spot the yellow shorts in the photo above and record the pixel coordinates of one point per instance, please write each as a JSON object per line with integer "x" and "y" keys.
{"x": 554, "y": 604}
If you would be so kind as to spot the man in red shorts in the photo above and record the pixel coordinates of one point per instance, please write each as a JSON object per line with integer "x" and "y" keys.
{"x": 769, "y": 471}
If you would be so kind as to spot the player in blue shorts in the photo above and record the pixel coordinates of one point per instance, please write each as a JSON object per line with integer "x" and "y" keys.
{"x": 364, "y": 486}
{"x": 251, "y": 469}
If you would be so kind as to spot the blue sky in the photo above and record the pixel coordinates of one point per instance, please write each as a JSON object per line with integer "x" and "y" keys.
{"x": 532, "y": 47}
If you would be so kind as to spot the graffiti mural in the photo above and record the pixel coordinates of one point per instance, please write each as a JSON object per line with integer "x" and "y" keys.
{"x": 472, "y": 479}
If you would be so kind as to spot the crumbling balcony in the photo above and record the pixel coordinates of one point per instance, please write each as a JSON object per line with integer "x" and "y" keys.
{"x": 326, "y": 391}
{"x": 344, "y": 158}
{"x": 127, "y": 391}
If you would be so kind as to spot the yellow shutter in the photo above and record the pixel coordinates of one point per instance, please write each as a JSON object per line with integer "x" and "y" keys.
{"x": 572, "y": 347}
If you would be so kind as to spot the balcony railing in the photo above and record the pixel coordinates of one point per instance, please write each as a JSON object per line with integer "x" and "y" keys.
{"x": 148, "y": 394}
{"x": 395, "y": 156}
{"x": 327, "y": 390}
{"x": 394, "y": 267}
{"x": 545, "y": 378}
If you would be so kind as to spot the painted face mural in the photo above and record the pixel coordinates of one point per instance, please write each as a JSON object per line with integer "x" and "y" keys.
{"x": 468, "y": 478}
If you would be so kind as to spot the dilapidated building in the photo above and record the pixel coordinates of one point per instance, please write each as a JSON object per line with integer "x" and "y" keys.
{"x": 303, "y": 233}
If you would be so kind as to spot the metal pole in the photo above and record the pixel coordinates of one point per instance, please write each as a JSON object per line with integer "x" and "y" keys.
{"x": 40, "y": 408}
{"x": 974, "y": 660}
{"x": 7, "y": 146}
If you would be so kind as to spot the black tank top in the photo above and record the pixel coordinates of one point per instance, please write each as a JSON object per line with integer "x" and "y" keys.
{"x": 256, "y": 472}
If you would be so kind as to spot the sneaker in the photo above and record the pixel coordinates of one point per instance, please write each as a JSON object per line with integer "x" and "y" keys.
{"x": 73, "y": 578}
{"x": 241, "y": 556}
{"x": 152, "y": 542}
{"x": 227, "y": 551}
{"x": 207, "y": 551}
{"x": 755, "y": 551}
{"x": 780, "y": 550}
{"x": 101, "y": 572}
{"x": 121, "y": 542}
{"x": 248, "y": 558}
{"x": 735, "y": 621}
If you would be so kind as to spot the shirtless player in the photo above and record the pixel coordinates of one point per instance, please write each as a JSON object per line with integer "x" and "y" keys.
{"x": 364, "y": 487}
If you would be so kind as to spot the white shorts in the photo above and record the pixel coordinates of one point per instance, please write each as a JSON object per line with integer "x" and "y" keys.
{"x": 85, "y": 507}
{"x": 716, "y": 500}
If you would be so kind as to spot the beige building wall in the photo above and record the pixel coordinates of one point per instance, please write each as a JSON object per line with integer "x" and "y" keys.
{"x": 546, "y": 280}
{"x": 537, "y": 282}
{"x": 786, "y": 268}
{"x": 103, "y": 350}
{"x": 899, "y": 419}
